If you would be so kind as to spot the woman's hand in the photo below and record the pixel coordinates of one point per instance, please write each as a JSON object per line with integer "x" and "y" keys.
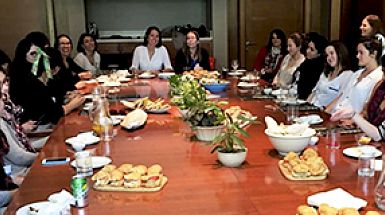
{"x": 29, "y": 126}
{"x": 80, "y": 85}
{"x": 74, "y": 103}
{"x": 342, "y": 114}
{"x": 85, "y": 75}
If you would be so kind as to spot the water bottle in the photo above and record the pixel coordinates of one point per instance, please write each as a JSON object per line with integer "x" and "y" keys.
{"x": 379, "y": 190}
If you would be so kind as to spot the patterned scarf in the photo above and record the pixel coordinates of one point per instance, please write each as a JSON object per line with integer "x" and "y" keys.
{"x": 272, "y": 58}
{"x": 375, "y": 115}
{"x": 6, "y": 182}
{"x": 35, "y": 65}
{"x": 9, "y": 116}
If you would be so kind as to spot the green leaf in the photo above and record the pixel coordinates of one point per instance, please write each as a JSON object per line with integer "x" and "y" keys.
{"x": 236, "y": 139}
{"x": 216, "y": 148}
{"x": 243, "y": 133}
{"x": 219, "y": 139}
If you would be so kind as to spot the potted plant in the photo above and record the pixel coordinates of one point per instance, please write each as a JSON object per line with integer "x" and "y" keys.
{"x": 205, "y": 117}
{"x": 230, "y": 148}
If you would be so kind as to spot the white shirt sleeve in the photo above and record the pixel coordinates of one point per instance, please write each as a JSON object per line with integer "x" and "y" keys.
{"x": 136, "y": 58}
{"x": 166, "y": 59}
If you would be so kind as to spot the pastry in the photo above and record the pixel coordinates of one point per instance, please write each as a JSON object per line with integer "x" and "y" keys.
{"x": 102, "y": 178}
{"x": 142, "y": 169}
{"x": 116, "y": 179}
{"x": 156, "y": 168}
{"x": 348, "y": 211}
{"x": 125, "y": 168}
{"x": 109, "y": 167}
{"x": 132, "y": 180}
{"x": 372, "y": 213}
{"x": 325, "y": 209}
{"x": 306, "y": 210}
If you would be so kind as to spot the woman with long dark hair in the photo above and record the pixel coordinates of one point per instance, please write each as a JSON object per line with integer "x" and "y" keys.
{"x": 192, "y": 55}
{"x": 336, "y": 75}
{"x": 152, "y": 56}
{"x": 359, "y": 89}
{"x": 270, "y": 57}
{"x": 371, "y": 26}
{"x": 88, "y": 58}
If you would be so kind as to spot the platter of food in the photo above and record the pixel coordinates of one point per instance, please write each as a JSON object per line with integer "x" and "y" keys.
{"x": 198, "y": 74}
{"x": 147, "y": 75}
{"x": 149, "y": 106}
{"x": 355, "y": 152}
{"x": 326, "y": 209}
{"x": 247, "y": 84}
{"x": 308, "y": 167}
{"x": 130, "y": 178}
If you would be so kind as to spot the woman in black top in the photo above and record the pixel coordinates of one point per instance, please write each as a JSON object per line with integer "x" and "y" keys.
{"x": 192, "y": 56}
{"x": 308, "y": 73}
{"x": 70, "y": 73}
{"x": 29, "y": 76}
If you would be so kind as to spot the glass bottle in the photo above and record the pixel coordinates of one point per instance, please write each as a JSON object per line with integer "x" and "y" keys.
{"x": 102, "y": 124}
{"x": 379, "y": 190}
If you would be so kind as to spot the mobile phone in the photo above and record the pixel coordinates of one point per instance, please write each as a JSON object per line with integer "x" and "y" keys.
{"x": 56, "y": 160}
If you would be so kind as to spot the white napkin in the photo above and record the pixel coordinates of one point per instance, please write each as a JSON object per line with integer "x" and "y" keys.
{"x": 60, "y": 204}
{"x": 378, "y": 165}
{"x": 337, "y": 198}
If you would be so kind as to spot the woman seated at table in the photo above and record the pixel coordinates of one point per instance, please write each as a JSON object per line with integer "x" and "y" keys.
{"x": 70, "y": 73}
{"x": 308, "y": 73}
{"x": 371, "y": 26}
{"x": 336, "y": 75}
{"x": 29, "y": 76}
{"x": 88, "y": 58}
{"x": 371, "y": 121}
{"x": 7, "y": 187}
{"x": 291, "y": 61}
{"x": 152, "y": 56}
{"x": 270, "y": 57}
{"x": 358, "y": 90}
{"x": 192, "y": 56}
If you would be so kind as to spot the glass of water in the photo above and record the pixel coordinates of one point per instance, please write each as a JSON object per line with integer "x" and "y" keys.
{"x": 234, "y": 64}
{"x": 84, "y": 163}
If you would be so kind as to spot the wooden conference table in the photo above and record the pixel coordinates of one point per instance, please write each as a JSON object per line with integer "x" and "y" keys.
{"x": 197, "y": 184}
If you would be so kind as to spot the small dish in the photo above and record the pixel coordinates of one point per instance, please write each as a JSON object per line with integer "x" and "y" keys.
{"x": 86, "y": 138}
{"x": 97, "y": 162}
{"x": 356, "y": 151}
{"x": 78, "y": 146}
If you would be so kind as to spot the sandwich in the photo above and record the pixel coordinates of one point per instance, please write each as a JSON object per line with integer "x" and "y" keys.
{"x": 372, "y": 213}
{"x": 116, "y": 179}
{"x": 156, "y": 168}
{"x": 132, "y": 180}
{"x": 153, "y": 179}
{"x": 309, "y": 153}
{"x": 348, "y": 211}
{"x": 109, "y": 168}
{"x": 300, "y": 171}
{"x": 102, "y": 178}
{"x": 325, "y": 209}
{"x": 142, "y": 169}
{"x": 306, "y": 210}
{"x": 125, "y": 168}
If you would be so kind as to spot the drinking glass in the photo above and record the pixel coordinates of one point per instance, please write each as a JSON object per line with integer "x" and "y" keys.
{"x": 84, "y": 163}
{"x": 292, "y": 113}
{"x": 333, "y": 139}
{"x": 234, "y": 64}
{"x": 366, "y": 161}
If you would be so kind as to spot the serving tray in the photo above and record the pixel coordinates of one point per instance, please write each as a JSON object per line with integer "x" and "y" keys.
{"x": 288, "y": 175}
{"x": 126, "y": 189}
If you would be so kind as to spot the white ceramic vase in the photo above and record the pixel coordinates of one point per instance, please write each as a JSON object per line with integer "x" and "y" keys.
{"x": 208, "y": 133}
{"x": 232, "y": 159}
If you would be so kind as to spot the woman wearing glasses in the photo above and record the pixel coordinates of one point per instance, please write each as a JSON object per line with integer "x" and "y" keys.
{"x": 30, "y": 73}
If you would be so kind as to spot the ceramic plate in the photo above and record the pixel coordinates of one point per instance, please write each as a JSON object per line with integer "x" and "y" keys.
{"x": 166, "y": 75}
{"x": 124, "y": 79}
{"x": 356, "y": 151}
{"x": 247, "y": 85}
{"x": 312, "y": 119}
{"x": 279, "y": 92}
{"x": 97, "y": 162}
{"x": 37, "y": 205}
{"x": 213, "y": 96}
{"x": 158, "y": 110}
{"x": 294, "y": 102}
{"x": 235, "y": 73}
{"x": 147, "y": 76}
{"x": 117, "y": 119}
{"x": 88, "y": 96}
{"x": 241, "y": 70}
{"x": 86, "y": 138}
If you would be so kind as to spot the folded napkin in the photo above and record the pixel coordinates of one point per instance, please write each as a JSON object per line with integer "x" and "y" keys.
{"x": 60, "y": 204}
{"x": 300, "y": 129}
{"x": 337, "y": 198}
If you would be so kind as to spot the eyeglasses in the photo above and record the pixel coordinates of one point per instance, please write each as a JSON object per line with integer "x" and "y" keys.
{"x": 33, "y": 53}
{"x": 68, "y": 43}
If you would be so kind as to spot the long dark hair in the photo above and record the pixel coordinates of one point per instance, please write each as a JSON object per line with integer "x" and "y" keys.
{"x": 376, "y": 24}
{"x": 342, "y": 56}
{"x": 80, "y": 47}
{"x": 148, "y": 32}
{"x": 56, "y": 46}
{"x": 198, "y": 50}
{"x": 280, "y": 35}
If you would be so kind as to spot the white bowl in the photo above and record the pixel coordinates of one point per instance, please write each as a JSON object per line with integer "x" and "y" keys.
{"x": 285, "y": 144}
{"x": 208, "y": 133}
{"x": 232, "y": 159}
{"x": 78, "y": 146}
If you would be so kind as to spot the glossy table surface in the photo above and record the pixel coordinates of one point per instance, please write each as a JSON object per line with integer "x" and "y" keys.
{"x": 197, "y": 184}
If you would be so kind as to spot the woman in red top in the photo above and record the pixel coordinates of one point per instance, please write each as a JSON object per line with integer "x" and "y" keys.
{"x": 270, "y": 57}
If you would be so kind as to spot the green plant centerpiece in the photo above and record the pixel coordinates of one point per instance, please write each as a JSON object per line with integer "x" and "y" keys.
{"x": 205, "y": 117}
{"x": 230, "y": 148}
